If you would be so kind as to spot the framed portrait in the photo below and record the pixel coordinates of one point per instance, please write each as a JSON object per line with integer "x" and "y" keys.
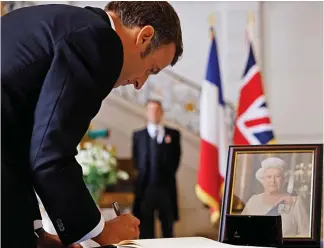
{"x": 276, "y": 180}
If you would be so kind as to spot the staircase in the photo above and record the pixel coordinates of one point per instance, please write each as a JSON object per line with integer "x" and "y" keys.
{"x": 124, "y": 111}
{"x": 180, "y": 98}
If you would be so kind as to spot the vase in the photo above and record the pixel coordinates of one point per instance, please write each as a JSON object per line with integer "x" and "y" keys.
{"x": 96, "y": 191}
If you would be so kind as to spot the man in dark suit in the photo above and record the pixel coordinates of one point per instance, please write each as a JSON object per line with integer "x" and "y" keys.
{"x": 58, "y": 63}
{"x": 156, "y": 155}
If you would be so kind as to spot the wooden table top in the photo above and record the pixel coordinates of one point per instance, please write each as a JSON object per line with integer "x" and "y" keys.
{"x": 124, "y": 199}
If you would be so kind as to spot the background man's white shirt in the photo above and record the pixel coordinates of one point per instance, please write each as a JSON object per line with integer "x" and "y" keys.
{"x": 154, "y": 129}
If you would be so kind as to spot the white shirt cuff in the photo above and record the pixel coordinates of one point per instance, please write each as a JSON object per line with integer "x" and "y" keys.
{"x": 38, "y": 224}
{"x": 95, "y": 232}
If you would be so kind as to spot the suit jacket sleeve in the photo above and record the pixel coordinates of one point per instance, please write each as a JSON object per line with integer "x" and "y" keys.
{"x": 134, "y": 150}
{"x": 86, "y": 64}
{"x": 177, "y": 150}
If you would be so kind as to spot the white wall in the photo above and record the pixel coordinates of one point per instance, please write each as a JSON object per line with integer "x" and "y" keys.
{"x": 293, "y": 68}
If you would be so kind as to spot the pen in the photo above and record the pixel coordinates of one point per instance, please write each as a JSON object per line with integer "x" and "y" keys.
{"x": 116, "y": 208}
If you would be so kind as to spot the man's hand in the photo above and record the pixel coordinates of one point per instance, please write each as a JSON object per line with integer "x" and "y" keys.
{"x": 124, "y": 227}
{"x": 47, "y": 240}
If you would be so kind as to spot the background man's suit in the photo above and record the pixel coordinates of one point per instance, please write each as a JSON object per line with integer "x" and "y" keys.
{"x": 157, "y": 163}
{"x": 58, "y": 63}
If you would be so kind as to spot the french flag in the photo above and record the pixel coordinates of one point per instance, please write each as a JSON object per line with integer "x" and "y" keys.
{"x": 213, "y": 134}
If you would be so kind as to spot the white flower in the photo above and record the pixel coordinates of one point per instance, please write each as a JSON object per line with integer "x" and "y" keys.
{"x": 106, "y": 155}
{"x": 123, "y": 175}
{"x": 103, "y": 170}
{"x": 97, "y": 156}
{"x": 102, "y": 166}
{"x": 85, "y": 170}
{"x": 85, "y": 159}
{"x": 113, "y": 161}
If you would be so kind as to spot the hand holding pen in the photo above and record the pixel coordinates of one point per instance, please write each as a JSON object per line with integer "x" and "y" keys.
{"x": 123, "y": 227}
{"x": 116, "y": 208}
{"x": 118, "y": 212}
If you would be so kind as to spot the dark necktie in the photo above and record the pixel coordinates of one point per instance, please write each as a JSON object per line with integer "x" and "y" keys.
{"x": 154, "y": 158}
{"x": 156, "y": 135}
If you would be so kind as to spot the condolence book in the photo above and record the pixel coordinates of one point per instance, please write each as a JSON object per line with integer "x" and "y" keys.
{"x": 190, "y": 242}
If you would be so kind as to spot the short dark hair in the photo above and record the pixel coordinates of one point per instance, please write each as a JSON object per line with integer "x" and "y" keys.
{"x": 159, "y": 14}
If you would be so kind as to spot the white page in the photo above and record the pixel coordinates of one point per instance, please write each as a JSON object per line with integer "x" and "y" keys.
{"x": 190, "y": 242}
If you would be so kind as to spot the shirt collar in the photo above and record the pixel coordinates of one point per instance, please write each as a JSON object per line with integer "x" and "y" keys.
{"x": 111, "y": 22}
{"x": 151, "y": 128}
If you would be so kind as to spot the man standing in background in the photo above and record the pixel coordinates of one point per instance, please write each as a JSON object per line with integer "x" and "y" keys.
{"x": 156, "y": 155}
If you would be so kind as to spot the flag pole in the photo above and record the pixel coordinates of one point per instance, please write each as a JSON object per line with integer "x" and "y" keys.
{"x": 251, "y": 35}
{"x": 250, "y": 27}
{"x": 211, "y": 21}
{"x": 251, "y": 19}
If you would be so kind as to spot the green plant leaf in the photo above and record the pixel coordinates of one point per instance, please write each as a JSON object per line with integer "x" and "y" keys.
{"x": 112, "y": 177}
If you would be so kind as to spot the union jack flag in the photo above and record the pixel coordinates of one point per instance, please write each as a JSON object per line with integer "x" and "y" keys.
{"x": 252, "y": 125}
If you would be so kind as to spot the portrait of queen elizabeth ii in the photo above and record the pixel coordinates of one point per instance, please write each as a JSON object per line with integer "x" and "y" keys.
{"x": 275, "y": 199}
{"x": 283, "y": 180}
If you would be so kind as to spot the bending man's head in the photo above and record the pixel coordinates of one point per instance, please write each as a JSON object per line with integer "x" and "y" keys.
{"x": 151, "y": 35}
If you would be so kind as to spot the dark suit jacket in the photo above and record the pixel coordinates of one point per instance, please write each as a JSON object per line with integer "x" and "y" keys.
{"x": 171, "y": 155}
{"x": 58, "y": 63}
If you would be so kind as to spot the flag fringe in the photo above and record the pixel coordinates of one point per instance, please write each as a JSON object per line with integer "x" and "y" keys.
{"x": 209, "y": 201}
{"x": 214, "y": 217}
{"x": 206, "y": 198}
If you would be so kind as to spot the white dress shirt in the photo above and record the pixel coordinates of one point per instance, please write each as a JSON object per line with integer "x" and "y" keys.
{"x": 154, "y": 129}
{"x": 98, "y": 229}
{"x": 111, "y": 22}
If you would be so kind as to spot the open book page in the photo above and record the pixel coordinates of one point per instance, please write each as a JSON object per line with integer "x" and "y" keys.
{"x": 190, "y": 242}
{"x": 130, "y": 244}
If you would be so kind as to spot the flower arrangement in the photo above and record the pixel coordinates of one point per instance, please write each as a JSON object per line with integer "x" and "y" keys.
{"x": 99, "y": 167}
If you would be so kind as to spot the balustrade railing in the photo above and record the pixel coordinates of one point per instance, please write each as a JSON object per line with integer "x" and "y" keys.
{"x": 180, "y": 98}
